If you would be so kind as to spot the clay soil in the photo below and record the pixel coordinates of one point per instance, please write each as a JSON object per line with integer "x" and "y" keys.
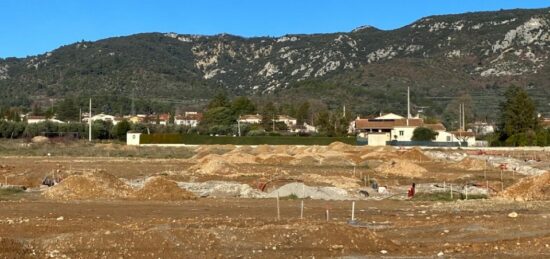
{"x": 34, "y": 226}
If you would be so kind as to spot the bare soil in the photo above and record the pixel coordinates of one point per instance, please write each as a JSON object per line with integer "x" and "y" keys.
{"x": 161, "y": 221}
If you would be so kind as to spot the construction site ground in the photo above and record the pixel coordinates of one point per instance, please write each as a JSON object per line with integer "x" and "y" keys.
{"x": 500, "y": 219}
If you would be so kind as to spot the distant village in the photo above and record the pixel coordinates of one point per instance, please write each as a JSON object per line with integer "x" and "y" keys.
{"x": 375, "y": 130}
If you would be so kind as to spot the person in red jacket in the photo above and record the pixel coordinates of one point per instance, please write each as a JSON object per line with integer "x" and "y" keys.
{"x": 411, "y": 191}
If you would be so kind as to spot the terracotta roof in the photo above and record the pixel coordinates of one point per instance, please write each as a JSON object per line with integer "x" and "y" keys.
{"x": 386, "y": 124}
{"x": 545, "y": 123}
{"x": 435, "y": 127}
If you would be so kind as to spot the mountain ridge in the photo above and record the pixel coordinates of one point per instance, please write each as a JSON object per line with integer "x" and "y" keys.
{"x": 477, "y": 53}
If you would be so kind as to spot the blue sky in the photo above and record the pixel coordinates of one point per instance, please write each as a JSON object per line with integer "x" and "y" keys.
{"x": 32, "y": 27}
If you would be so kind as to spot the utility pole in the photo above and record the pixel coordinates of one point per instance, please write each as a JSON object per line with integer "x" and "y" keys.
{"x": 460, "y": 117}
{"x": 408, "y": 105}
{"x": 133, "y": 104}
{"x": 464, "y": 117}
{"x": 273, "y": 122}
{"x": 90, "y": 122}
{"x": 239, "y": 124}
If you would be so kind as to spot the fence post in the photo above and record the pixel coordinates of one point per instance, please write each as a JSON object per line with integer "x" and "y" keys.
{"x": 278, "y": 208}
{"x": 353, "y": 211}
{"x": 302, "y": 210}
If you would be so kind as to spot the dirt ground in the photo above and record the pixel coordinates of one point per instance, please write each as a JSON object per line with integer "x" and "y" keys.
{"x": 34, "y": 226}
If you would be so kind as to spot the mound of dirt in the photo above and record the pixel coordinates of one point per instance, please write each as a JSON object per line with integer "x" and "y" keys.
{"x": 262, "y": 149}
{"x": 214, "y": 167}
{"x": 159, "y": 188}
{"x": 334, "y": 180}
{"x": 305, "y": 160}
{"x": 470, "y": 164}
{"x": 337, "y": 160}
{"x": 40, "y": 139}
{"x": 401, "y": 168}
{"x": 89, "y": 186}
{"x": 274, "y": 159}
{"x": 282, "y": 149}
{"x": 341, "y": 147}
{"x": 379, "y": 155}
{"x": 234, "y": 158}
{"x": 414, "y": 154}
{"x": 529, "y": 189}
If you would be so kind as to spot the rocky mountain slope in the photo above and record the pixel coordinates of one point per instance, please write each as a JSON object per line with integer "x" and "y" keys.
{"x": 368, "y": 69}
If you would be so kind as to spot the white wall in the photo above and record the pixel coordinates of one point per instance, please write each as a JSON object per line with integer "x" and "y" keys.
{"x": 402, "y": 133}
{"x": 132, "y": 139}
{"x": 378, "y": 139}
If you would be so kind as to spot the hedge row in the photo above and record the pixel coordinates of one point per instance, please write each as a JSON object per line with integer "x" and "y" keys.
{"x": 193, "y": 139}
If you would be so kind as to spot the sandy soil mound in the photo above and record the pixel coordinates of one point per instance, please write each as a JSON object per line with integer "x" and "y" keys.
{"x": 337, "y": 160}
{"x": 401, "y": 168}
{"x": 334, "y": 180}
{"x": 262, "y": 149}
{"x": 282, "y": 149}
{"x": 91, "y": 185}
{"x": 470, "y": 164}
{"x": 275, "y": 159}
{"x": 234, "y": 158}
{"x": 159, "y": 188}
{"x": 305, "y": 160}
{"x": 214, "y": 167}
{"x": 341, "y": 147}
{"x": 530, "y": 189}
{"x": 40, "y": 139}
{"x": 379, "y": 155}
{"x": 414, "y": 154}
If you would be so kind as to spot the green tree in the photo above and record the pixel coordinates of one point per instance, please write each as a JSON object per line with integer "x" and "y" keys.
{"x": 242, "y": 105}
{"x": 518, "y": 118}
{"x": 302, "y": 114}
{"x": 218, "y": 120}
{"x": 269, "y": 113}
{"x": 68, "y": 110}
{"x": 323, "y": 123}
{"x": 121, "y": 129}
{"x": 424, "y": 134}
{"x": 219, "y": 100}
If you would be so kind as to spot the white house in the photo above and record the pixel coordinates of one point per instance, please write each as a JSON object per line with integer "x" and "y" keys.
{"x": 37, "y": 119}
{"x": 390, "y": 127}
{"x": 190, "y": 119}
{"x": 102, "y": 117}
{"x": 289, "y": 121}
{"x": 250, "y": 118}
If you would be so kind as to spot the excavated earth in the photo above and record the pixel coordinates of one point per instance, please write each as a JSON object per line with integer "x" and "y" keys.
{"x": 131, "y": 207}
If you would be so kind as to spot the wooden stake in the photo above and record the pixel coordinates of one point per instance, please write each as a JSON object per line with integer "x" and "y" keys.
{"x": 444, "y": 187}
{"x": 501, "y": 181}
{"x": 302, "y": 210}
{"x": 353, "y": 211}
{"x": 327, "y": 215}
{"x": 353, "y": 170}
{"x": 451, "y": 191}
{"x": 278, "y": 208}
{"x": 368, "y": 179}
{"x": 466, "y": 189}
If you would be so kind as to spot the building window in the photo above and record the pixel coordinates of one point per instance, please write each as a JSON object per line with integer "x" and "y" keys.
{"x": 448, "y": 138}
{"x": 401, "y": 133}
